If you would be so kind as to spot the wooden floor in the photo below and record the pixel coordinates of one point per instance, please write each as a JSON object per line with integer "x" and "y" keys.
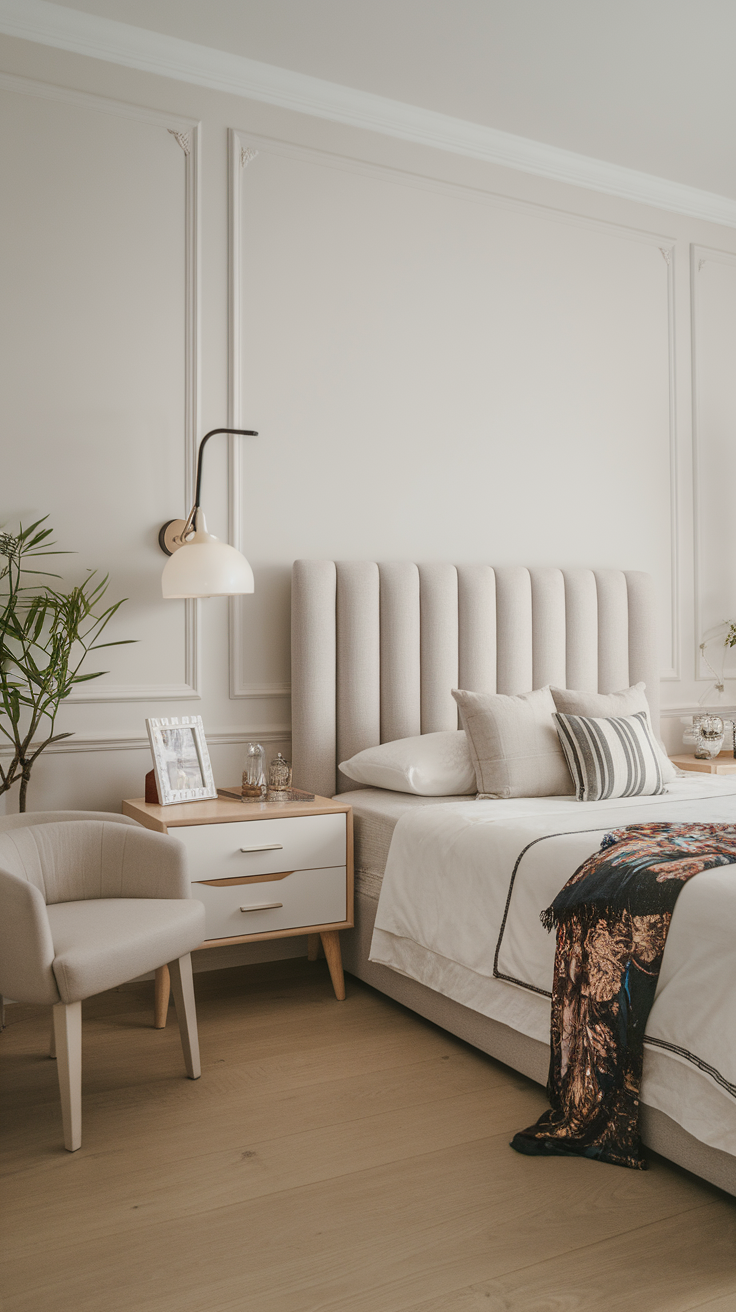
{"x": 346, "y": 1157}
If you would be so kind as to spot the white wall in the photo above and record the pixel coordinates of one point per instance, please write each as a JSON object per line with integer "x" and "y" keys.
{"x": 445, "y": 359}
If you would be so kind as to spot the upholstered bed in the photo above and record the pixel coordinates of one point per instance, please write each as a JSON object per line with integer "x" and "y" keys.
{"x": 376, "y": 651}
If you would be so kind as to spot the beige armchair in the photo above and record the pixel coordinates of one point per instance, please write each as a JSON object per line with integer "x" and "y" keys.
{"x": 85, "y": 905}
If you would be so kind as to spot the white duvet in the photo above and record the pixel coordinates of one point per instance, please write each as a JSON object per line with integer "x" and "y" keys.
{"x": 459, "y": 909}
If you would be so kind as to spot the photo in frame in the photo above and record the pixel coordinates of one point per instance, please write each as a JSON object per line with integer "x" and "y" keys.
{"x": 181, "y": 761}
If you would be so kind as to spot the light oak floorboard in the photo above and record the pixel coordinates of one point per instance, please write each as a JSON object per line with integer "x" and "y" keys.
{"x": 685, "y": 1266}
{"x": 334, "y": 1157}
{"x": 727, "y": 1304}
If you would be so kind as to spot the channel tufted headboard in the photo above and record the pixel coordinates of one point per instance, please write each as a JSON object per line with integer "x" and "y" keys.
{"x": 376, "y": 649}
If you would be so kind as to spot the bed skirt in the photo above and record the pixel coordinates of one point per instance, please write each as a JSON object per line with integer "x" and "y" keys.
{"x": 524, "y": 1054}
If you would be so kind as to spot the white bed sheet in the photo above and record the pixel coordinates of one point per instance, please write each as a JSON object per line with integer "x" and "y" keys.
{"x": 442, "y": 919}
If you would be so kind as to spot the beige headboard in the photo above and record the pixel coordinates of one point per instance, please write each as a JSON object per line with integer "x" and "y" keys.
{"x": 376, "y": 649}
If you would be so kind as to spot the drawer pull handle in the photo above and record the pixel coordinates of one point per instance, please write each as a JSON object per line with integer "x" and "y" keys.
{"x": 263, "y": 906}
{"x": 264, "y": 847}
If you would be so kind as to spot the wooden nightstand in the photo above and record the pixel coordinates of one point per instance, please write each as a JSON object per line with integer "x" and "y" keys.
{"x": 263, "y": 870}
{"x": 724, "y": 763}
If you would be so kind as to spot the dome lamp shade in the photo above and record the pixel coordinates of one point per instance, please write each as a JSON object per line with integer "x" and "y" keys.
{"x": 199, "y": 565}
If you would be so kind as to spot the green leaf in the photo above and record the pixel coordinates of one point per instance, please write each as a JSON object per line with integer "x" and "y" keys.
{"x": 119, "y": 642}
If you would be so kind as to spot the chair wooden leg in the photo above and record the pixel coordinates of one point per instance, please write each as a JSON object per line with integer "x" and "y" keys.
{"x": 182, "y": 986}
{"x": 52, "y": 1040}
{"x": 312, "y": 947}
{"x": 331, "y": 944}
{"x": 68, "y": 1035}
{"x": 161, "y": 991}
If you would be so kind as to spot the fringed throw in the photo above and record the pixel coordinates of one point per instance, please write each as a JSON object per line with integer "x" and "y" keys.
{"x": 612, "y": 919}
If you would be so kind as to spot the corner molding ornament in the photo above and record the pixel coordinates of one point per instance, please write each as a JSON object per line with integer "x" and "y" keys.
{"x": 666, "y": 253}
{"x": 182, "y": 138}
{"x": 247, "y": 153}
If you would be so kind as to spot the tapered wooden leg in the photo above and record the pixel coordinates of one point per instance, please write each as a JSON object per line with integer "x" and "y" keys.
{"x": 161, "y": 991}
{"x": 182, "y": 986}
{"x": 312, "y": 947}
{"x": 52, "y": 1040}
{"x": 68, "y": 1035}
{"x": 331, "y": 944}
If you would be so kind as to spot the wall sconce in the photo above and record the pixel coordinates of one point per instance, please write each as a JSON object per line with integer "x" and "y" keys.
{"x": 199, "y": 565}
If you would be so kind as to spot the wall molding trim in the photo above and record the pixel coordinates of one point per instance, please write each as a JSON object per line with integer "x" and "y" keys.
{"x": 674, "y": 673}
{"x": 695, "y": 708}
{"x": 263, "y": 691}
{"x": 153, "y": 52}
{"x": 134, "y": 692}
{"x": 239, "y": 155}
{"x": 132, "y": 742}
{"x": 186, "y": 132}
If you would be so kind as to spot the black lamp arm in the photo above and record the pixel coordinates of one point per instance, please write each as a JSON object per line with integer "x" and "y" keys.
{"x": 237, "y": 432}
{"x": 174, "y": 532}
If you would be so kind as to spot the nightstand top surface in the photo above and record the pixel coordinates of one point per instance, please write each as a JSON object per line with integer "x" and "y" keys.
{"x": 223, "y": 810}
{"x": 723, "y": 763}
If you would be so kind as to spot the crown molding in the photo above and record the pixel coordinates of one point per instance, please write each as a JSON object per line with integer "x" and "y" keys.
{"x": 168, "y": 56}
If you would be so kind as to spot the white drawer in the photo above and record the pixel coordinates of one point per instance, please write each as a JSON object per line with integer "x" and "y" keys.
{"x": 307, "y": 897}
{"x": 263, "y": 847}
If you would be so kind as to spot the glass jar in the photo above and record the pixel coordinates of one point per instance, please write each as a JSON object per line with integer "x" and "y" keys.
{"x": 254, "y": 779}
{"x": 710, "y": 738}
{"x": 279, "y": 777}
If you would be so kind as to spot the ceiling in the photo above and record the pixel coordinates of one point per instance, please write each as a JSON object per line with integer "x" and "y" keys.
{"x": 648, "y": 84}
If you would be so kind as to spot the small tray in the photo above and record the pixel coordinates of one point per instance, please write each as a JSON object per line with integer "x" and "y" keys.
{"x": 288, "y": 795}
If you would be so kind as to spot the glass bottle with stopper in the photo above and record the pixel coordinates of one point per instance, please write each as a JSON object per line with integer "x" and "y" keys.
{"x": 254, "y": 779}
{"x": 279, "y": 778}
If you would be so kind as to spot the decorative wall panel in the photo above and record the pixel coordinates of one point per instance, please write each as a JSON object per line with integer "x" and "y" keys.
{"x": 714, "y": 450}
{"x": 440, "y": 373}
{"x": 101, "y": 352}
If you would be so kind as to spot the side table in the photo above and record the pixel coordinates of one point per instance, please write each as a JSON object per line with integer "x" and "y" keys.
{"x": 263, "y": 870}
{"x": 723, "y": 763}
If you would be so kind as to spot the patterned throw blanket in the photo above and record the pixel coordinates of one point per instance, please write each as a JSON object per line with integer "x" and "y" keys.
{"x": 612, "y": 919}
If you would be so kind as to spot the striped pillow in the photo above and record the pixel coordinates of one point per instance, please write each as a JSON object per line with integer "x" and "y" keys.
{"x": 615, "y": 757}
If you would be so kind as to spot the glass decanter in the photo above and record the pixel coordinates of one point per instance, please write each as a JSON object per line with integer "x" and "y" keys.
{"x": 254, "y": 779}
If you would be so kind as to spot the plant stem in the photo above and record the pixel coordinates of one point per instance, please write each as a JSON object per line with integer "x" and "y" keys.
{"x": 24, "y": 782}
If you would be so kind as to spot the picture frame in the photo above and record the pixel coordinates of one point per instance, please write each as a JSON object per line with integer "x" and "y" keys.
{"x": 181, "y": 761}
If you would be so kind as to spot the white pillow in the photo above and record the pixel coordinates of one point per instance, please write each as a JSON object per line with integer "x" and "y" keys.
{"x": 430, "y": 765}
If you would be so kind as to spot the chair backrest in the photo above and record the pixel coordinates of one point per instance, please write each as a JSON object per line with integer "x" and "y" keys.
{"x": 22, "y": 821}
{"x": 74, "y": 861}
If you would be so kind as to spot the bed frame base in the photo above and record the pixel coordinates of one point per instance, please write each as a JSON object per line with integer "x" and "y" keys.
{"x": 516, "y": 1050}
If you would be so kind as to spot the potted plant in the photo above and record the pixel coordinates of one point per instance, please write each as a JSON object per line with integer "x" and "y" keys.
{"x": 45, "y": 636}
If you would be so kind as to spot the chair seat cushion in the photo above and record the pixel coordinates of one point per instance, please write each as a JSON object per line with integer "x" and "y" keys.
{"x": 105, "y": 942}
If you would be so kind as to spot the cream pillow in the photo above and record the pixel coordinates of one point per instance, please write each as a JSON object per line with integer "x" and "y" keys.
{"x": 607, "y": 705}
{"x": 513, "y": 744}
{"x": 431, "y": 765}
